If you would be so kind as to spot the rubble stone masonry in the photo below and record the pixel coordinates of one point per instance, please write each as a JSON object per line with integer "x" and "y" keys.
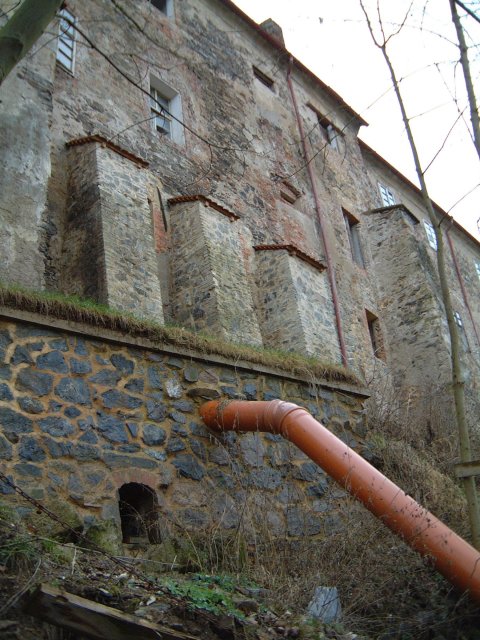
{"x": 84, "y": 412}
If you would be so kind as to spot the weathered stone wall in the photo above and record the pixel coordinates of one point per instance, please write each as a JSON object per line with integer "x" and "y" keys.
{"x": 295, "y": 305}
{"x": 240, "y": 144}
{"x": 80, "y": 416}
{"x": 409, "y": 282}
{"x": 26, "y": 106}
{"x": 210, "y": 289}
{"x": 411, "y": 310}
{"x": 106, "y": 257}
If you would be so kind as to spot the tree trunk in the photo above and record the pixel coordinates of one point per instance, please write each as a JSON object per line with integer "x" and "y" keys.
{"x": 23, "y": 29}
{"x": 458, "y": 382}
{"x": 467, "y": 75}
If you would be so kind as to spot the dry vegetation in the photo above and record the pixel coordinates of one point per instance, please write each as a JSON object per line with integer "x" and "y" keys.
{"x": 387, "y": 591}
{"x": 56, "y": 305}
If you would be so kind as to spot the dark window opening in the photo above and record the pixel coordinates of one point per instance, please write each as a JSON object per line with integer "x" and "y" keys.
{"x": 264, "y": 79}
{"x": 376, "y": 337}
{"x": 289, "y": 193}
{"x": 138, "y": 514}
{"x": 161, "y": 5}
{"x": 329, "y": 131}
{"x": 351, "y": 224}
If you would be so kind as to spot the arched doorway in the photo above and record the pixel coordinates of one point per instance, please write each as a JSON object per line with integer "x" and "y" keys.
{"x": 138, "y": 507}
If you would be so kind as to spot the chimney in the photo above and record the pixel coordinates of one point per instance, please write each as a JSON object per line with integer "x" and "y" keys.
{"x": 274, "y": 30}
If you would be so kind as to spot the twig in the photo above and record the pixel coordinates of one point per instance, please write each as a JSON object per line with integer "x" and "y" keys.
{"x": 19, "y": 594}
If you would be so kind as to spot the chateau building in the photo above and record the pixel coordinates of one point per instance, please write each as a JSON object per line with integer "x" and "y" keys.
{"x": 173, "y": 160}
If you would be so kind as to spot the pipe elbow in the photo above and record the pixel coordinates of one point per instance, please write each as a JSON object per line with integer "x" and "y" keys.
{"x": 245, "y": 415}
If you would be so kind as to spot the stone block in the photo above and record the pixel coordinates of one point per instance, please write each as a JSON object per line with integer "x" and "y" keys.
{"x": 106, "y": 377}
{"x": 13, "y": 422}
{"x": 156, "y": 411}
{"x": 325, "y": 605}
{"x": 191, "y": 374}
{"x": 56, "y": 426}
{"x": 57, "y": 448}
{"x": 188, "y": 466}
{"x": 5, "y": 393}
{"x": 115, "y": 461}
{"x": 112, "y": 428}
{"x": 40, "y": 384}
{"x": 302, "y": 523}
{"x": 152, "y": 434}
{"x": 5, "y": 449}
{"x": 27, "y": 469}
{"x": 21, "y": 355}
{"x": 52, "y": 361}
{"x": 123, "y": 364}
{"x": 114, "y": 399}
{"x": 80, "y": 366}
{"x": 174, "y": 445}
{"x": 73, "y": 390}
{"x": 173, "y": 388}
{"x": 29, "y": 449}
{"x": 135, "y": 386}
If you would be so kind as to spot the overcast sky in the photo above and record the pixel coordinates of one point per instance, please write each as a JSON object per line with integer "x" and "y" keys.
{"x": 332, "y": 39}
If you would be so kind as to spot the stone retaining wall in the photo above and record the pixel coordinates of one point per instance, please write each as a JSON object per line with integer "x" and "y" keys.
{"x": 81, "y": 416}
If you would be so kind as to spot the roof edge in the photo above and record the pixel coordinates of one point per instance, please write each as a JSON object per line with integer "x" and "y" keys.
{"x": 300, "y": 66}
{"x": 365, "y": 147}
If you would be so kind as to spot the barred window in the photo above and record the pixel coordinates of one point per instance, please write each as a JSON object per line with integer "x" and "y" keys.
{"x": 66, "y": 40}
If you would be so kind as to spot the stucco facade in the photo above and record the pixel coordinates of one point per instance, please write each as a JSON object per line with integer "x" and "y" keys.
{"x": 201, "y": 210}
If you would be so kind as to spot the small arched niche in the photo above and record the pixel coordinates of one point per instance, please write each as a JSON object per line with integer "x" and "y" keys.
{"x": 138, "y": 505}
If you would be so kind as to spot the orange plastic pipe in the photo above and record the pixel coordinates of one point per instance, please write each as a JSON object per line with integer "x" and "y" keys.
{"x": 452, "y": 556}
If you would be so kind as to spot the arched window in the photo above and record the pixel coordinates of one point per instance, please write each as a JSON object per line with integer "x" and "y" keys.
{"x": 138, "y": 506}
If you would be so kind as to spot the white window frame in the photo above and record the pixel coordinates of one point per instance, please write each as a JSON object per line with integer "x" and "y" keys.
{"x": 66, "y": 41}
{"x": 166, "y": 110}
{"x": 477, "y": 269}
{"x": 387, "y": 195}
{"x": 431, "y": 237}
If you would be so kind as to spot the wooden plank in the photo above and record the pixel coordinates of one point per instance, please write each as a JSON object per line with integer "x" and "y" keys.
{"x": 94, "y": 620}
{"x": 467, "y": 469}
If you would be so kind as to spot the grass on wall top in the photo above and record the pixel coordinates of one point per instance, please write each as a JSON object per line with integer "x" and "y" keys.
{"x": 65, "y": 307}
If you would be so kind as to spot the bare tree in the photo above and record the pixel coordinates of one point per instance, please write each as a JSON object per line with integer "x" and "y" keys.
{"x": 458, "y": 379}
{"x": 466, "y": 70}
{"x": 19, "y": 34}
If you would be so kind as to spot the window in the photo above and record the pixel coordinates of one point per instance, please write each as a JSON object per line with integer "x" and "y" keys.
{"x": 431, "y": 237}
{"x": 263, "y": 78}
{"x": 351, "y": 224}
{"x": 289, "y": 193}
{"x": 376, "y": 337}
{"x": 66, "y": 40}
{"x": 160, "y": 107}
{"x": 461, "y": 330}
{"x": 138, "y": 507}
{"x": 165, "y": 6}
{"x": 328, "y": 130}
{"x": 477, "y": 269}
{"x": 166, "y": 110}
{"x": 388, "y": 198}
{"x": 161, "y": 5}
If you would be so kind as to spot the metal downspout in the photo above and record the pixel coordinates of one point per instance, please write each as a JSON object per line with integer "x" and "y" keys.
{"x": 452, "y": 556}
{"x": 330, "y": 267}
{"x": 462, "y": 285}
